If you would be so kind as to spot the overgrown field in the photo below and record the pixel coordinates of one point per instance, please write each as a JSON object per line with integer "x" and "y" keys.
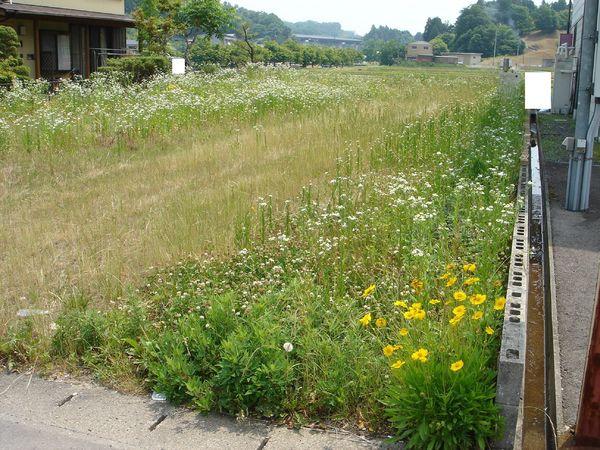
{"x": 331, "y": 244}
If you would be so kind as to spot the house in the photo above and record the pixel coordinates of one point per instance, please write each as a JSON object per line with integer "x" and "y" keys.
{"x": 419, "y": 51}
{"x": 64, "y": 37}
{"x": 466, "y": 59}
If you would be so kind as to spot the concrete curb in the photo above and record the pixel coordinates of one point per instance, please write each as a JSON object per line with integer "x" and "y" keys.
{"x": 511, "y": 361}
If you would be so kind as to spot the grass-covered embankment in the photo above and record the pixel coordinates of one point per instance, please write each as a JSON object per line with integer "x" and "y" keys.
{"x": 373, "y": 300}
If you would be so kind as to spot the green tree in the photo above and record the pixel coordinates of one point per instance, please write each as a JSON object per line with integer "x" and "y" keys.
{"x": 559, "y": 5}
{"x": 156, "y": 24}
{"x": 264, "y": 26}
{"x": 545, "y": 19}
{"x": 563, "y": 19}
{"x": 203, "y": 18}
{"x": 11, "y": 66}
{"x": 481, "y": 40}
{"x": 392, "y": 52}
{"x": 522, "y": 19}
{"x": 471, "y": 18}
{"x": 385, "y": 34}
{"x": 434, "y": 27}
{"x": 448, "y": 38}
{"x": 439, "y": 46}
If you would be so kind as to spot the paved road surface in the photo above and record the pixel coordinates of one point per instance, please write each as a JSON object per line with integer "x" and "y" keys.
{"x": 96, "y": 418}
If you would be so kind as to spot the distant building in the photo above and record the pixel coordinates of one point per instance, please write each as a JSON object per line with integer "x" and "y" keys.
{"x": 328, "y": 41}
{"x": 419, "y": 51}
{"x": 466, "y": 59}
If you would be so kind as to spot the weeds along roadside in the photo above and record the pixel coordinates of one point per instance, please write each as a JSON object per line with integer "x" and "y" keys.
{"x": 342, "y": 279}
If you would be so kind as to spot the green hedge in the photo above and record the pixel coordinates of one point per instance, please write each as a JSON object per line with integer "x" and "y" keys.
{"x": 137, "y": 68}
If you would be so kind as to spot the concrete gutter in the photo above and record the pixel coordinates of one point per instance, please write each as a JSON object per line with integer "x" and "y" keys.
{"x": 37, "y": 413}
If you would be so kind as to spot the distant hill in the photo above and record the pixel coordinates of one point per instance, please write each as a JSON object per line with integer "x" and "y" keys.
{"x": 321, "y": 29}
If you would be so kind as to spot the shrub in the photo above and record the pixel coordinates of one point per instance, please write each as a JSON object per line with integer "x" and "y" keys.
{"x": 137, "y": 68}
{"x": 11, "y": 66}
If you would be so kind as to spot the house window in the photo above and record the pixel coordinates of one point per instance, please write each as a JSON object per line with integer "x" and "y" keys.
{"x": 426, "y": 47}
{"x": 414, "y": 47}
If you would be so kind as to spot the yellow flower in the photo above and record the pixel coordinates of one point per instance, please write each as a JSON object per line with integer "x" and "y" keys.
{"x": 388, "y": 350}
{"x": 451, "y": 282}
{"x": 460, "y": 296}
{"x": 420, "y": 355}
{"x": 401, "y": 303}
{"x": 478, "y": 299}
{"x": 434, "y": 302}
{"x": 497, "y": 283}
{"x": 171, "y": 87}
{"x": 477, "y": 316}
{"x": 489, "y": 330}
{"x": 459, "y": 311}
{"x": 450, "y": 266}
{"x": 446, "y": 276}
{"x": 398, "y": 364}
{"x": 499, "y": 304}
{"x": 381, "y": 322}
{"x": 416, "y": 284}
{"x": 415, "y": 312}
{"x": 456, "y": 319}
{"x": 471, "y": 281}
{"x": 366, "y": 320}
{"x": 403, "y": 331}
{"x": 470, "y": 268}
{"x": 455, "y": 367}
{"x": 368, "y": 291}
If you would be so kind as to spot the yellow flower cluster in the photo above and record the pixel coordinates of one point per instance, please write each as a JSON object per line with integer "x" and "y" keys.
{"x": 463, "y": 285}
{"x": 415, "y": 311}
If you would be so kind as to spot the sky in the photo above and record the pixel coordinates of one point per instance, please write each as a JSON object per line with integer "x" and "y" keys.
{"x": 359, "y": 15}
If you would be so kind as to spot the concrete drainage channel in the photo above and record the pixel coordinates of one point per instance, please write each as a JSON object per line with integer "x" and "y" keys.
{"x": 527, "y": 383}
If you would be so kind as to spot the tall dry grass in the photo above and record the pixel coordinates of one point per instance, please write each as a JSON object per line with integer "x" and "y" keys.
{"x": 94, "y": 218}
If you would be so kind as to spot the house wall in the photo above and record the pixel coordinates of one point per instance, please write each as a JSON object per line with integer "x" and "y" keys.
{"x": 413, "y": 50}
{"x": 105, "y": 6}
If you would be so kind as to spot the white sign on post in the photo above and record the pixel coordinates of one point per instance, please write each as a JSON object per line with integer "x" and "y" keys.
{"x": 538, "y": 90}
{"x": 178, "y": 66}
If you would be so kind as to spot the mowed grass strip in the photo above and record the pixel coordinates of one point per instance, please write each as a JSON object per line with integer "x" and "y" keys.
{"x": 97, "y": 186}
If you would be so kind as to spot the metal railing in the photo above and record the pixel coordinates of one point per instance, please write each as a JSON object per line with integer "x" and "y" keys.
{"x": 100, "y": 55}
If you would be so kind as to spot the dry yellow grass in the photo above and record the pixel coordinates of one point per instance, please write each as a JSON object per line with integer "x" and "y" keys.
{"x": 95, "y": 221}
{"x": 540, "y": 46}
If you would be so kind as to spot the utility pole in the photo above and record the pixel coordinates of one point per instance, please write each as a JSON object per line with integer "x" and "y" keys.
{"x": 587, "y": 431}
{"x": 580, "y": 161}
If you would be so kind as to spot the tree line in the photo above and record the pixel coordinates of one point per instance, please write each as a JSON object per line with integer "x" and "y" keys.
{"x": 485, "y": 27}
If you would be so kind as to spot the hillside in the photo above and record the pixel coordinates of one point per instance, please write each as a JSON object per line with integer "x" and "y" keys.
{"x": 540, "y": 46}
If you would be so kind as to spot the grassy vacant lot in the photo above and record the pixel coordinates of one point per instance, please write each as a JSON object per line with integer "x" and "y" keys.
{"x": 330, "y": 244}
{"x": 101, "y": 182}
